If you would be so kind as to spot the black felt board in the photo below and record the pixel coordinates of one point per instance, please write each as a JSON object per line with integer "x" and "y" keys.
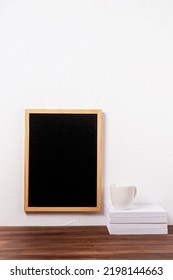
{"x": 62, "y": 160}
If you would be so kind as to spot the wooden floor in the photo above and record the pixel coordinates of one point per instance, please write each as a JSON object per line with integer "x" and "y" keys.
{"x": 88, "y": 242}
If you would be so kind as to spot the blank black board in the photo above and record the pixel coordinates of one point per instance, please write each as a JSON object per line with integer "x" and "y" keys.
{"x": 63, "y": 160}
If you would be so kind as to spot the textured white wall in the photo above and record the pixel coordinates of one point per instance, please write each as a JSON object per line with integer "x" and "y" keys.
{"x": 114, "y": 55}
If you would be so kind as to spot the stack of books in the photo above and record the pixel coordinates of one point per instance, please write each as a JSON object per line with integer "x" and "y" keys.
{"x": 138, "y": 219}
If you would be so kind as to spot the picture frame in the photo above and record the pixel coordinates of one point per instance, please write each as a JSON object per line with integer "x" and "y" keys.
{"x": 63, "y": 160}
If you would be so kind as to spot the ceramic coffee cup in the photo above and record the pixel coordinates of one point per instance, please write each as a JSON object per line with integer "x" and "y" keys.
{"x": 122, "y": 196}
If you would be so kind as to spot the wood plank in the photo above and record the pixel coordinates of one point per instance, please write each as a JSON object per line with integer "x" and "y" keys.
{"x": 81, "y": 242}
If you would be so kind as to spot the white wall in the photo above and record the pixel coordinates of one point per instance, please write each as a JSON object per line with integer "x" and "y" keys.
{"x": 108, "y": 54}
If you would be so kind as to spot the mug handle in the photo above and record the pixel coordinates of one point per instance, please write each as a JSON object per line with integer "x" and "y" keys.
{"x": 135, "y": 191}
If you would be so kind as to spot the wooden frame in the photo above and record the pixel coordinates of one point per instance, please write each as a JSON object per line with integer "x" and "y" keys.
{"x": 63, "y": 154}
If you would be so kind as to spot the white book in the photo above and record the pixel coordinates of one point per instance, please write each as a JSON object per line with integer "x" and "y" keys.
{"x": 137, "y": 226}
{"x": 136, "y": 220}
{"x": 137, "y": 231}
{"x": 136, "y": 210}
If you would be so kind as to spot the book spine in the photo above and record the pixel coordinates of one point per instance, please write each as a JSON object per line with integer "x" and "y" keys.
{"x": 137, "y": 231}
{"x": 137, "y": 226}
{"x": 128, "y": 214}
{"x": 136, "y": 215}
{"x": 136, "y": 220}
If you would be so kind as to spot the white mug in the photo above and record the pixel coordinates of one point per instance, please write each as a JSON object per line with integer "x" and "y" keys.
{"x": 122, "y": 196}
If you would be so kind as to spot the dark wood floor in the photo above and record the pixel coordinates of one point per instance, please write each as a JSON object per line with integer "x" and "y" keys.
{"x": 88, "y": 242}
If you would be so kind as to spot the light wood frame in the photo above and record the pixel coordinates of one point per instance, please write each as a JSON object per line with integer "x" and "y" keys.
{"x": 97, "y": 207}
